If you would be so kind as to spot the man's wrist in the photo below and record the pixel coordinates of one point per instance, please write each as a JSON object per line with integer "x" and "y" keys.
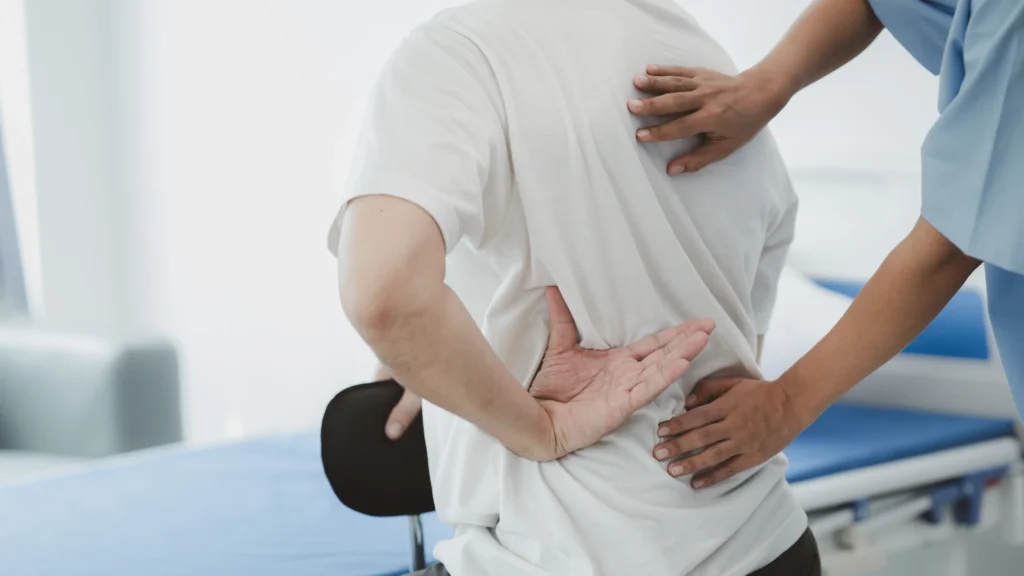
{"x": 535, "y": 438}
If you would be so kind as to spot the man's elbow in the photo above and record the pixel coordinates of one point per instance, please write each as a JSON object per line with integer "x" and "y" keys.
{"x": 373, "y": 308}
{"x": 380, "y": 304}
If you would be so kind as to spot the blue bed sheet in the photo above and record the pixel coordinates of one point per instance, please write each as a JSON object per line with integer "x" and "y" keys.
{"x": 959, "y": 331}
{"x": 849, "y": 437}
{"x": 253, "y": 508}
{"x": 263, "y": 507}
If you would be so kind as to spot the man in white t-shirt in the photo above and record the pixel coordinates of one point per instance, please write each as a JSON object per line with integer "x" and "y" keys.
{"x": 503, "y": 124}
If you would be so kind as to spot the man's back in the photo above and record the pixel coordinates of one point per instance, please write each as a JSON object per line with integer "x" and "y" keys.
{"x": 507, "y": 121}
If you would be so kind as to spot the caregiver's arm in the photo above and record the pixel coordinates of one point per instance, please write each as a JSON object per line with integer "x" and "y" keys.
{"x": 745, "y": 422}
{"x": 729, "y": 110}
{"x": 391, "y": 272}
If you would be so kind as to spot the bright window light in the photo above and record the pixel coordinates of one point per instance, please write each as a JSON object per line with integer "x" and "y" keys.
{"x": 17, "y": 145}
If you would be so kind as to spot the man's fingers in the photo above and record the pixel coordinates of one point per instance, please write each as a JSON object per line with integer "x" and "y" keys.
{"x": 653, "y": 382}
{"x": 708, "y": 458}
{"x": 665, "y": 366}
{"x": 402, "y": 415}
{"x": 671, "y": 103}
{"x": 724, "y": 471}
{"x": 701, "y": 156}
{"x": 683, "y": 346}
{"x": 642, "y": 348}
{"x": 691, "y": 441}
{"x": 696, "y": 418}
{"x": 561, "y": 326}
{"x": 684, "y": 127}
{"x": 684, "y": 71}
{"x": 708, "y": 389}
{"x": 664, "y": 84}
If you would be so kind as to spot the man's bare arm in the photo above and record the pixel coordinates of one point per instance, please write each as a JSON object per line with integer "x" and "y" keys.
{"x": 391, "y": 271}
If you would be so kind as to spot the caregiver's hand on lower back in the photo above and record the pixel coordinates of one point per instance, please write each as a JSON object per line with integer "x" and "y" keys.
{"x": 734, "y": 423}
{"x": 589, "y": 393}
{"x": 728, "y": 110}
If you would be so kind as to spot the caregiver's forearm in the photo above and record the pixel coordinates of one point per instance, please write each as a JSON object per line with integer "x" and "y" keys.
{"x": 827, "y": 35}
{"x": 391, "y": 261}
{"x": 908, "y": 291}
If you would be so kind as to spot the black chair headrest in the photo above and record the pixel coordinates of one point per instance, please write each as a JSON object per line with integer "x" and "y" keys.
{"x": 369, "y": 472}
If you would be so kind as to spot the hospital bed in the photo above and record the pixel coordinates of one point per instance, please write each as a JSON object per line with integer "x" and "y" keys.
{"x": 874, "y": 480}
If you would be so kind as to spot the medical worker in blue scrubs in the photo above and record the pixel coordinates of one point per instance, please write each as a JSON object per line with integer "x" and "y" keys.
{"x": 972, "y": 207}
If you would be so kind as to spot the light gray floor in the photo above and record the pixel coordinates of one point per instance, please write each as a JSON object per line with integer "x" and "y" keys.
{"x": 988, "y": 556}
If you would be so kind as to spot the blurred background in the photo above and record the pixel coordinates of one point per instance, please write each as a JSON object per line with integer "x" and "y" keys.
{"x": 173, "y": 168}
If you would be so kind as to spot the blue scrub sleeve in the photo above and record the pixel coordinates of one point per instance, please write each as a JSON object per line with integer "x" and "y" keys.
{"x": 921, "y": 26}
{"x": 973, "y": 157}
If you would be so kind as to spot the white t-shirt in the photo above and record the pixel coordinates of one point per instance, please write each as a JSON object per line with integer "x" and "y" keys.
{"x": 506, "y": 120}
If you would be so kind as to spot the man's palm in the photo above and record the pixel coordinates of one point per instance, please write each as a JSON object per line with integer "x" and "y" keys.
{"x": 590, "y": 393}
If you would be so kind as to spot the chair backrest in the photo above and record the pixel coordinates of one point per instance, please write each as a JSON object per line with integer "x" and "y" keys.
{"x": 369, "y": 472}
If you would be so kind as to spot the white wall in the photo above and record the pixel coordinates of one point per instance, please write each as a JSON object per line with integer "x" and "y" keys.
{"x": 869, "y": 116}
{"x": 233, "y": 115}
{"x": 73, "y": 118}
{"x": 18, "y": 144}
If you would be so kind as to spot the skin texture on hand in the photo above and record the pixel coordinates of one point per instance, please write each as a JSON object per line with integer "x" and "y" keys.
{"x": 729, "y": 111}
{"x": 589, "y": 393}
{"x": 730, "y": 429}
{"x": 741, "y": 423}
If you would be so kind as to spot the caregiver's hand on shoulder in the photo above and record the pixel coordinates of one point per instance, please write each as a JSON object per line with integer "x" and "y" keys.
{"x": 732, "y": 425}
{"x": 589, "y": 393}
{"x": 728, "y": 110}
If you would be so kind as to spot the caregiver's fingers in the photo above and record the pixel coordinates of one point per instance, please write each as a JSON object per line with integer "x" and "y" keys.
{"x": 709, "y": 458}
{"x": 691, "y": 441}
{"x": 708, "y": 389}
{"x": 707, "y": 153}
{"x": 684, "y": 127}
{"x": 696, "y": 418}
{"x": 720, "y": 473}
{"x": 666, "y": 104}
{"x": 684, "y": 71}
{"x": 402, "y": 415}
{"x": 641, "y": 348}
{"x": 664, "y": 84}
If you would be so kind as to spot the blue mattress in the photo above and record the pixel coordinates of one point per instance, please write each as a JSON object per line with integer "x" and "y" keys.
{"x": 254, "y": 508}
{"x": 263, "y": 507}
{"x": 959, "y": 331}
{"x": 850, "y": 437}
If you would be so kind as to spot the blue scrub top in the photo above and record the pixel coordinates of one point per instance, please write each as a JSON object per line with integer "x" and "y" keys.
{"x": 973, "y": 157}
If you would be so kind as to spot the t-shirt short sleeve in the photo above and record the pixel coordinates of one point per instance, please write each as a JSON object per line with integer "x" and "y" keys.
{"x": 773, "y": 257}
{"x": 973, "y": 157}
{"x": 434, "y": 135}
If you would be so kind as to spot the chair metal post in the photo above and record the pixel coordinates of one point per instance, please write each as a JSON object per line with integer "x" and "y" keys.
{"x": 418, "y": 559}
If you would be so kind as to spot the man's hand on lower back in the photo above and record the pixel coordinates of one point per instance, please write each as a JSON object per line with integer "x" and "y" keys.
{"x": 733, "y": 424}
{"x": 589, "y": 393}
